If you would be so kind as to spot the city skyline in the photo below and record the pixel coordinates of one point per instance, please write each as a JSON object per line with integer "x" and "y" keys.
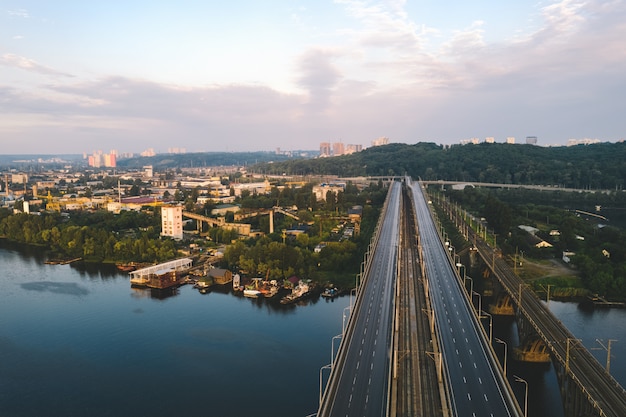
{"x": 243, "y": 75}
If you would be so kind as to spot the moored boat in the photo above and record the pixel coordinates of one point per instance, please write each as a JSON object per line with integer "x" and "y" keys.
{"x": 251, "y": 293}
{"x": 301, "y": 291}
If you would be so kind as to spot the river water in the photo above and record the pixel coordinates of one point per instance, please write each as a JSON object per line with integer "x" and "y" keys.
{"x": 544, "y": 399}
{"x": 81, "y": 342}
{"x": 76, "y": 340}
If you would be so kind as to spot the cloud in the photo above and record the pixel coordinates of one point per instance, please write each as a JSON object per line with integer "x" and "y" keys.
{"x": 16, "y": 61}
{"x": 382, "y": 76}
{"x": 23, "y": 13}
{"x": 318, "y": 76}
{"x": 135, "y": 112}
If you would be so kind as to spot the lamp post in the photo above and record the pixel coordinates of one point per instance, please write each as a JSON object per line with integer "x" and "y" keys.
{"x": 505, "y": 349}
{"x": 321, "y": 370}
{"x": 485, "y": 314}
{"x": 518, "y": 379}
{"x": 343, "y": 323}
{"x": 352, "y": 291}
{"x": 471, "y": 283}
{"x": 480, "y": 302}
{"x": 332, "y": 349}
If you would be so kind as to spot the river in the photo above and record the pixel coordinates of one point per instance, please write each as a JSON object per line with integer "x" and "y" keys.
{"x": 76, "y": 340}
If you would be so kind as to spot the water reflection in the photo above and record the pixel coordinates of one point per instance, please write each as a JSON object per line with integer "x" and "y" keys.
{"x": 96, "y": 270}
{"x": 544, "y": 398}
{"x": 67, "y": 288}
{"x": 31, "y": 254}
{"x": 154, "y": 293}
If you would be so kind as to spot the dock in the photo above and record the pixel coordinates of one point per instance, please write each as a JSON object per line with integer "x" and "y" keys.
{"x": 165, "y": 275}
{"x": 602, "y": 302}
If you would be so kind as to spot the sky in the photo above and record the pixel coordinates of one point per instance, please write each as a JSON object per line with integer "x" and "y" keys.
{"x": 247, "y": 75}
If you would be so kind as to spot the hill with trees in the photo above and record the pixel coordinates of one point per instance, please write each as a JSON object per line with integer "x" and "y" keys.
{"x": 596, "y": 166}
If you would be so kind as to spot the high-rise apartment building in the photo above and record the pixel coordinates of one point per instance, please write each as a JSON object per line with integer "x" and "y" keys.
{"x": 325, "y": 149}
{"x": 99, "y": 159}
{"x": 338, "y": 149}
{"x": 172, "y": 222}
{"x": 510, "y": 140}
{"x": 531, "y": 140}
{"x": 383, "y": 140}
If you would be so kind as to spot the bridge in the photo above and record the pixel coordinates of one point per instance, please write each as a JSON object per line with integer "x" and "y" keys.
{"x": 414, "y": 344}
{"x": 587, "y": 389}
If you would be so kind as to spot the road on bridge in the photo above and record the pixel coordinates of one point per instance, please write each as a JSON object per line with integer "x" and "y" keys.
{"x": 476, "y": 388}
{"x": 358, "y": 384}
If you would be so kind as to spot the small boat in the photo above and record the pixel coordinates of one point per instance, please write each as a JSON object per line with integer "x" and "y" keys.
{"x": 251, "y": 293}
{"x": 126, "y": 267}
{"x": 330, "y": 293}
{"x": 269, "y": 288}
{"x": 301, "y": 291}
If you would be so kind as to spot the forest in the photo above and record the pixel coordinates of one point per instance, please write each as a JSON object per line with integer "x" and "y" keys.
{"x": 596, "y": 166}
{"x": 276, "y": 256}
{"x": 96, "y": 237}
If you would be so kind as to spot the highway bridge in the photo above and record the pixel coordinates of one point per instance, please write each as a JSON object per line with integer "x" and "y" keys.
{"x": 359, "y": 383}
{"x": 380, "y": 369}
{"x": 586, "y": 387}
{"x": 475, "y": 386}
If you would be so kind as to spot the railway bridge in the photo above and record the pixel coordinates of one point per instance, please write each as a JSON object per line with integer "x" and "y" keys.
{"x": 586, "y": 387}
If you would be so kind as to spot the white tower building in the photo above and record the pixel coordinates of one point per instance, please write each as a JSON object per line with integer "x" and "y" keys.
{"x": 172, "y": 222}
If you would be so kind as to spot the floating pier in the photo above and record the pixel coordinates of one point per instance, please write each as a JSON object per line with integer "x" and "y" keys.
{"x": 165, "y": 275}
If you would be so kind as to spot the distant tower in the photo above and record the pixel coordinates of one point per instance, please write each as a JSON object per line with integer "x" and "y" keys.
{"x": 338, "y": 149}
{"x": 531, "y": 140}
{"x": 172, "y": 221}
{"x": 510, "y": 140}
{"x": 325, "y": 149}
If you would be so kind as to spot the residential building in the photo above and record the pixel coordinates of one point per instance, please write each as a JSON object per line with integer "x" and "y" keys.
{"x": 383, "y": 140}
{"x": 321, "y": 190}
{"x": 172, "y": 222}
{"x": 338, "y": 149}
{"x": 585, "y": 141}
{"x": 325, "y": 149}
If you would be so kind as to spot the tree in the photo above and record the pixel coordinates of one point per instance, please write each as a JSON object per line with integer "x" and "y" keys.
{"x": 134, "y": 190}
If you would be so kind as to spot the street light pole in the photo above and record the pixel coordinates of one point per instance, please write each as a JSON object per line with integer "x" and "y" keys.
{"x": 518, "y": 379}
{"x": 485, "y": 314}
{"x": 471, "y": 283}
{"x": 505, "y": 350}
{"x": 480, "y": 302}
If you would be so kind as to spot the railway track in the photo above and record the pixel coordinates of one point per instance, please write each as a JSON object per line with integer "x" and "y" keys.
{"x": 417, "y": 392}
